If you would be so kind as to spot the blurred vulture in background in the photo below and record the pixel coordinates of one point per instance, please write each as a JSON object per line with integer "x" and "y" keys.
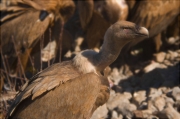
{"x": 97, "y": 16}
{"x": 24, "y": 22}
{"x": 154, "y": 15}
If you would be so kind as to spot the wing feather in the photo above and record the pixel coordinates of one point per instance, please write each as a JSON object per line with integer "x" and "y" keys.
{"x": 155, "y": 15}
{"x": 77, "y": 96}
{"x": 46, "y": 80}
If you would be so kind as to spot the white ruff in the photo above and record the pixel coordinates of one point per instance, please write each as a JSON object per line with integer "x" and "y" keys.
{"x": 84, "y": 61}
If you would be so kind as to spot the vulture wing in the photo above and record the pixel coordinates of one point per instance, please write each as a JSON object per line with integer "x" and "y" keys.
{"x": 46, "y": 80}
{"x": 155, "y": 15}
{"x": 25, "y": 20}
{"x": 76, "y": 98}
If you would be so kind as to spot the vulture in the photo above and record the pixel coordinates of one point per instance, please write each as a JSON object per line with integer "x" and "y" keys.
{"x": 24, "y": 22}
{"x": 74, "y": 89}
{"x": 156, "y": 16}
{"x": 98, "y": 16}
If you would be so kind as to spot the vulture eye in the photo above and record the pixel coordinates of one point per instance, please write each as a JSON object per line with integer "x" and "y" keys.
{"x": 127, "y": 30}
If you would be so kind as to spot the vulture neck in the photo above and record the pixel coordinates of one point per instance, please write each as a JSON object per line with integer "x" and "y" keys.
{"x": 110, "y": 51}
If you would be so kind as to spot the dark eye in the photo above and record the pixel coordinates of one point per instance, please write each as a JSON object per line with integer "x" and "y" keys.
{"x": 127, "y": 30}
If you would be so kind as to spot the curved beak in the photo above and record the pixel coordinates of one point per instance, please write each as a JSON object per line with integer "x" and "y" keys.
{"x": 143, "y": 32}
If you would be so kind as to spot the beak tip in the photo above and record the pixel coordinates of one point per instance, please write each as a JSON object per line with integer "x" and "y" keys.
{"x": 144, "y": 31}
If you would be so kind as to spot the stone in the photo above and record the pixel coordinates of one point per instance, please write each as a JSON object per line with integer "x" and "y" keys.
{"x": 155, "y": 93}
{"x": 172, "y": 55}
{"x": 114, "y": 101}
{"x": 114, "y": 115}
{"x": 139, "y": 97}
{"x": 169, "y": 100}
{"x": 169, "y": 112}
{"x": 168, "y": 63}
{"x": 164, "y": 89}
{"x": 159, "y": 57}
{"x": 151, "y": 67}
{"x": 176, "y": 93}
{"x": 49, "y": 51}
{"x": 126, "y": 109}
{"x": 115, "y": 76}
{"x": 159, "y": 103}
{"x": 143, "y": 106}
{"x": 100, "y": 112}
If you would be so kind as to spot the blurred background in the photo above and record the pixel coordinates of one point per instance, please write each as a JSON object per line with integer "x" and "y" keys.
{"x": 144, "y": 79}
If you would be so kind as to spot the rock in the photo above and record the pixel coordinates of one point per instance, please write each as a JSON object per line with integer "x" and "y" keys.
{"x": 49, "y": 51}
{"x": 139, "y": 97}
{"x": 114, "y": 101}
{"x": 115, "y": 76}
{"x": 176, "y": 93}
{"x": 169, "y": 100}
{"x": 100, "y": 113}
{"x": 120, "y": 103}
{"x": 155, "y": 93}
{"x": 168, "y": 56}
{"x": 159, "y": 57}
{"x": 78, "y": 42}
{"x": 172, "y": 55}
{"x": 168, "y": 63}
{"x": 114, "y": 115}
{"x": 171, "y": 40}
{"x": 164, "y": 89}
{"x": 142, "y": 114}
{"x": 143, "y": 106}
{"x": 126, "y": 109}
{"x": 151, "y": 67}
{"x": 159, "y": 103}
{"x": 152, "y": 117}
{"x": 169, "y": 112}
{"x": 127, "y": 95}
{"x": 151, "y": 107}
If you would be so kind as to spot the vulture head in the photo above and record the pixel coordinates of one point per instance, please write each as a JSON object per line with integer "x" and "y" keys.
{"x": 117, "y": 35}
{"x": 125, "y": 31}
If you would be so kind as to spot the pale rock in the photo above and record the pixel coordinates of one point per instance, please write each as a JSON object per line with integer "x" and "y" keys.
{"x": 169, "y": 100}
{"x": 169, "y": 112}
{"x": 168, "y": 63}
{"x": 115, "y": 76}
{"x": 100, "y": 113}
{"x": 139, "y": 97}
{"x": 159, "y": 103}
{"x": 176, "y": 93}
{"x": 151, "y": 67}
{"x": 164, "y": 89}
{"x": 114, "y": 115}
{"x": 155, "y": 93}
{"x": 159, "y": 57}
{"x": 49, "y": 51}
{"x": 126, "y": 109}
{"x": 143, "y": 106}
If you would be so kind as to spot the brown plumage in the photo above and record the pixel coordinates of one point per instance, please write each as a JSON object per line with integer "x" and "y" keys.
{"x": 74, "y": 89}
{"x": 154, "y": 15}
{"x": 98, "y": 16}
{"x": 25, "y": 22}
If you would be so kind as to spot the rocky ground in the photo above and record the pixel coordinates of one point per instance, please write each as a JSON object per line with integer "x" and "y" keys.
{"x": 148, "y": 90}
{"x": 153, "y": 95}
